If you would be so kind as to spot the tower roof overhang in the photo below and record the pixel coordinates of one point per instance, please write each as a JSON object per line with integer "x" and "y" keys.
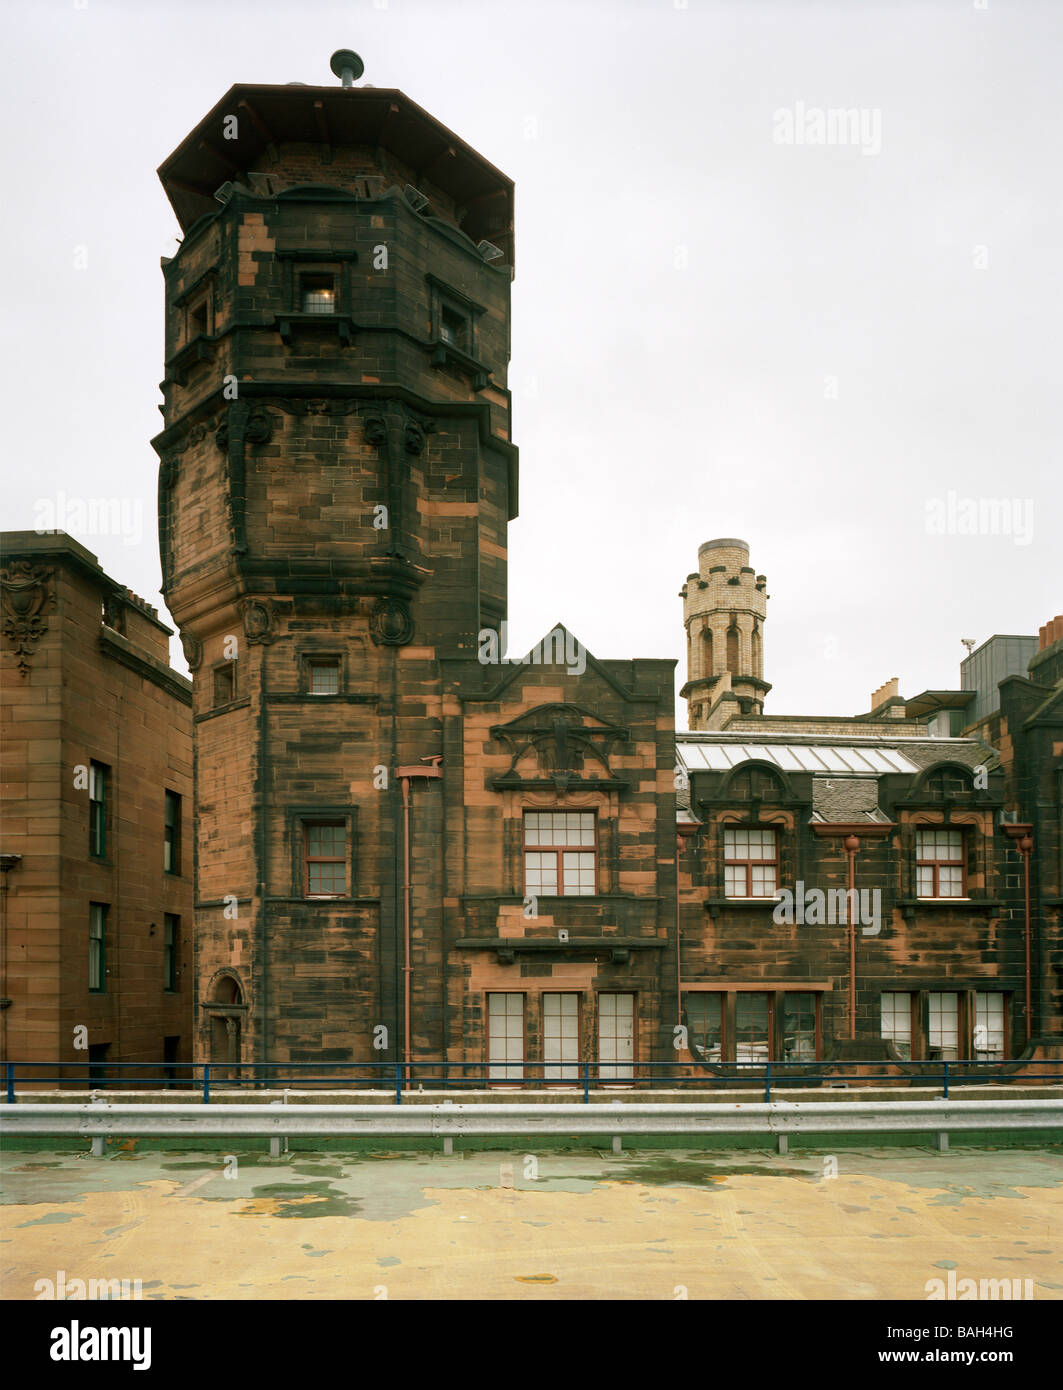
{"x": 336, "y": 116}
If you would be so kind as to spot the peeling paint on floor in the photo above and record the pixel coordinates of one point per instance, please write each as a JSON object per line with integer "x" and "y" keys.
{"x": 587, "y": 1227}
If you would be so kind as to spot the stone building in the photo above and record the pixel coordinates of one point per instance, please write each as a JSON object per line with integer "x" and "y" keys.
{"x": 409, "y": 846}
{"x": 412, "y": 847}
{"x": 911, "y": 807}
{"x": 96, "y": 847}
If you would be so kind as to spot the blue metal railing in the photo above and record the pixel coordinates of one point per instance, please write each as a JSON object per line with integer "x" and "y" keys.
{"x": 435, "y": 1074}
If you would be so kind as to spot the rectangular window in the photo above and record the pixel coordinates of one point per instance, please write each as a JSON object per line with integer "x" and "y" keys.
{"x": 989, "y": 1027}
{"x": 170, "y": 940}
{"x": 751, "y": 863}
{"x": 323, "y": 675}
{"x": 325, "y": 858}
{"x": 505, "y": 1037}
{"x": 199, "y": 319}
{"x": 616, "y": 1037}
{"x": 560, "y": 858}
{"x": 452, "y": 328}
{"x": 561, "y": 1037}
{"x": 98, "y": 810}
{"x": 704, "y": 1021}
{"x": 752, "y": 1027}
{"x": 897, "y": 1022}
{"x": 939, "y": 864}
{"x": 171, "y": 845}
{"x": 317, "y": 293}
{"x": 943, "y": 1034}
{"x": 225, "y": 683}
{"x": 97, "y": 947}
{"x": 799, "y": 1027}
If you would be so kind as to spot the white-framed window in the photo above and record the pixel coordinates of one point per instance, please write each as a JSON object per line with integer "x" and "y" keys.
{"x": 943, "y": 1032}
{"x": 751, "y": 862}
{"x": 897, "y": 1022}
{"x": 560, "y": 854}
{"x": 505, "y": 1037}
{"x": 561, "y": 1037}
{"x": 988, "y": 1026}
{"x": 616, "y": 1037}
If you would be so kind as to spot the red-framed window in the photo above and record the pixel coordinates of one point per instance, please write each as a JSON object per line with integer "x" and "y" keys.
{"x": 325, "y": 858}
{"x": 560, "y": 854}
{"x": 751, "y": 862}
{"x": 940, "y": 864}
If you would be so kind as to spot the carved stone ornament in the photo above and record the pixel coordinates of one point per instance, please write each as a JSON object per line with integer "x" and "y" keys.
{"x": 198, "y": 433}
{"x": 390, "y": 623}
{"x": 375, "y": 429}
{"x": 25, "y": 594}
{"x": 257, "y": 430}
{"x": 193, "y": 650}
{"x": 260, "y": 624}
{"x": 168, "y": 472}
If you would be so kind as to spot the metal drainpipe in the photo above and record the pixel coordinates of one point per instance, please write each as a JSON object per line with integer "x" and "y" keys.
{"x": 1026, "y": 850}
{"x": 405, "y": 776}
{"x": 7, "y": 863}
{"x": 852, "y": 844}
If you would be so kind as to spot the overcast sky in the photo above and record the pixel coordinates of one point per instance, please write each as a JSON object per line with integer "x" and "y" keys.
{"x": 733, "y": 315}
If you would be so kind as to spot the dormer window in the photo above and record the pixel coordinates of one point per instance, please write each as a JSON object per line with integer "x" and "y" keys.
{"x": 317, "y": 293}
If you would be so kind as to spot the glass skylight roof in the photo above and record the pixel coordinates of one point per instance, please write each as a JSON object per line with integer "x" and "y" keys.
{"x": 841, "y": 759}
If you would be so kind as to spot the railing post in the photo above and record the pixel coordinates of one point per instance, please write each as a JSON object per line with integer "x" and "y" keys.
{"x": 586, "y": 1083}
{"x": 206, "y": 1083}
{"x": 398, "y": 1083}
{"x": 945, "y": 1070}
{"x": 10, "y": 1083}
{"x": 767, "y": 1083}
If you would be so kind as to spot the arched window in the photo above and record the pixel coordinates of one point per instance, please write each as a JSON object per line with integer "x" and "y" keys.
{"x": 732, "y": 650}
{"x": 706, "y": 652}
{"x": 227, "y": 990}
{"x": 758, "y": 668}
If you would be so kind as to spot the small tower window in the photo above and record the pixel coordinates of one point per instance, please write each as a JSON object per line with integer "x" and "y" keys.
{"x": 732, "y": 651}
{"x": 199, "y": 318}
{"x": 317, "y": 294}
{"x": 323, "y": 675}
{"x": 451, "y": 328}
{"x": 225, "y": 683}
